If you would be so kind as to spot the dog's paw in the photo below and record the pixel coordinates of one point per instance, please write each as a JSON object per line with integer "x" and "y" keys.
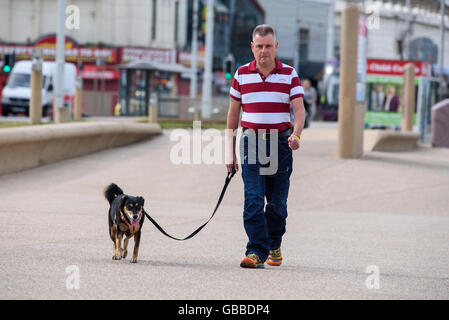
{"x": 116, "y": 258}
{"x": 124, "y": 254}
{"x": 133, "y": 261}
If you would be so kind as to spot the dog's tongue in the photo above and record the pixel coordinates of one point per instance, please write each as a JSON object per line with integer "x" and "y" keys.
{"x": 134, "y": 222}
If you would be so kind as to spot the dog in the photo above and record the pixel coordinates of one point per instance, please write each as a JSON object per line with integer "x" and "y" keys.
{"x": 125, "y": 219}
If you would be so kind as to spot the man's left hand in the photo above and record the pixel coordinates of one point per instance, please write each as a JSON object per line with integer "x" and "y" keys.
{"x": 293, "y": 142}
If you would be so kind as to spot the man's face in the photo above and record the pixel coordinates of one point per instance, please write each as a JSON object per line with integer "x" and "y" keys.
{"x": 306, "y": 84}
{"x": 264, "y": 49}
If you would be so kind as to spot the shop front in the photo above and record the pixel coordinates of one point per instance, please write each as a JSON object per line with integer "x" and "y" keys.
{"x": 100, "y": 89}
{"x": 143, "y": 84}
{"x": 96, "y": 65}
{"x": 385, "y": 93}
{"x": 107, "y": 89}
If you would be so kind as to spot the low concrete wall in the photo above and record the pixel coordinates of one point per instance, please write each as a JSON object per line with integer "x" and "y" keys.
{"x": 440, "y": 124}
{"x": 27, "y": 147}
{"x": 390, "y": 141}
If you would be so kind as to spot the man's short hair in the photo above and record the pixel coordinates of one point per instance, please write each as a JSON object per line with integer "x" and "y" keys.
{"x": 263, "y": 30}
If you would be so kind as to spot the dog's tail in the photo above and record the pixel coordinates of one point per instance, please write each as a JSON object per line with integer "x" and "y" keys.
{"x": 112, "y": 191}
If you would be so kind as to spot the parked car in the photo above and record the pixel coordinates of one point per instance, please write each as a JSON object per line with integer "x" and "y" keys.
{"x": 17, "y": 92}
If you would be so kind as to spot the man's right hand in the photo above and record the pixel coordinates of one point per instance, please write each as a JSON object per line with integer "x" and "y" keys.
{"x": 234, "y": 165}
{"x": 232, "y": 125}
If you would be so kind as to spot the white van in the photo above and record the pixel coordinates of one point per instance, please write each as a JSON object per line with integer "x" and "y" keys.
{"x": 17, "y": 92}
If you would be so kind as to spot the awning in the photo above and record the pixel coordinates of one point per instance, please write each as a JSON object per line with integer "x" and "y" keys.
{"x": 165, "y": 67}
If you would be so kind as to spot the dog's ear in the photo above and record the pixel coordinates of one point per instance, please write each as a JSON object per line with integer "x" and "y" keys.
{"x": 123, "y": 202}
{"x": 142, "y": 200}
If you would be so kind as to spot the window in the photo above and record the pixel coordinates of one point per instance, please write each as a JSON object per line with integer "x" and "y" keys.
{"x": 153, "y": 21}
{"x": 304, "y": 37}
{"x": 176, "y": 21}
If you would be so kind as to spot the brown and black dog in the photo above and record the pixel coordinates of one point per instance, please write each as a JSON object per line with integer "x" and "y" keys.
{"x": 125, "y": 219}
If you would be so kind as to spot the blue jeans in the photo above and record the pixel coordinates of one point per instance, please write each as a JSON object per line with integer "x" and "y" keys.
{"x": 265, "y": 223}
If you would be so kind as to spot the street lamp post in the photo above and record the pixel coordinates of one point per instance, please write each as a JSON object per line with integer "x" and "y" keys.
{"x": 60, "y": 60}
{"x": 441, "y": 53}
{"x": 330, "y": 31}
{"x": 408, "y": 34}
{"x": 207, "y": 81}
{"x": 194, "y": 52}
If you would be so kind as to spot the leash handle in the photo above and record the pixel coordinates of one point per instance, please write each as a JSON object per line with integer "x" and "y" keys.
{"x": 228, "y": 179}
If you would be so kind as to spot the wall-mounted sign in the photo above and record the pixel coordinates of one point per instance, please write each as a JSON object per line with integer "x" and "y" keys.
{"x": 149, "y": 55}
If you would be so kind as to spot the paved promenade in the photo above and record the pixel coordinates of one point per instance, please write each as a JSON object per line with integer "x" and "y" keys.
{"x": 372, "y": 228}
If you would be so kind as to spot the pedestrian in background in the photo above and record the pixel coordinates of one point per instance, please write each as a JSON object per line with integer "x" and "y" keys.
{"x": 391, "y": 100}
{"x": 377, "y": 98}
{"x": 310, "y": 97}
{"x": 264, "y": 89}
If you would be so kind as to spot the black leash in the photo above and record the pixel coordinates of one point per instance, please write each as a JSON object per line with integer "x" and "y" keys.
{"x": 228, "y": 179}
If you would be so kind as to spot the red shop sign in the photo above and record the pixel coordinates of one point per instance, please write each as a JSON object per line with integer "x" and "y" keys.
{"x": 395, "y": 67}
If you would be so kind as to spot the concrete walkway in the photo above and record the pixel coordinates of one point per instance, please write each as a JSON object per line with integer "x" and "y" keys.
{"x": 348, "y": 219}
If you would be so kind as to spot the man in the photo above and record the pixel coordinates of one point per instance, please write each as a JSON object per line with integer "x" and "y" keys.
{"x": 310, "y": 97}
{"x": 377, "y": 98}
{"x": 264, "y": 90}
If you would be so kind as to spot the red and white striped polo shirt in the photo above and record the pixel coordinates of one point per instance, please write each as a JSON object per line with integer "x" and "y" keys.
{"x": 266, "y": 101}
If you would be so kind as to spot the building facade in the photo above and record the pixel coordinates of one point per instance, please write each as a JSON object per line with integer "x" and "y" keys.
{"x": 302, "y": 28}
{"x": 160, "y": 31}
{"x": 146, "y": 23}
{"x": 390, "y": 36}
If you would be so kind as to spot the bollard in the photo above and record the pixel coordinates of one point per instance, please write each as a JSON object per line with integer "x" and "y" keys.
{"x": 77, "y": 104}
{"x": 152, "y": 114}
{"x": 347, "y": 115}
{"x": 35, "y": 109}
{"x": 409, "y": 97}
{"x": 62, "y": 115}
{"x": 78, "y": 100}
{"x": 174, "y": 86}
{"x": 152, "y": 109}
{"x": 197, "y": 115}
